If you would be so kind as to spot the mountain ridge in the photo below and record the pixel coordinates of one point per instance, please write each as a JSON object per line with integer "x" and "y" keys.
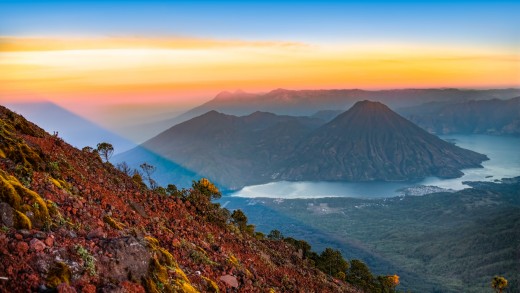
{"x": 248, "y": 155}
{"x": 307, "y": 102}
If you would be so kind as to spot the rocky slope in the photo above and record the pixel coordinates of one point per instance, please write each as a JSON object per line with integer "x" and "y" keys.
{"x": 72, "y": 223}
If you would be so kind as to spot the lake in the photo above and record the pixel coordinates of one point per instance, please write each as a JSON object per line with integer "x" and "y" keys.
{"x": 504, "y": 162}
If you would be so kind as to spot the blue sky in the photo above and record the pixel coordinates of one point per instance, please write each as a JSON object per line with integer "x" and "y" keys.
{"x": 462, "y": 22}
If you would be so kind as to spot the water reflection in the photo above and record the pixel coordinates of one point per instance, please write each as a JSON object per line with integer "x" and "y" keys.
{"x": 504, "y": 162}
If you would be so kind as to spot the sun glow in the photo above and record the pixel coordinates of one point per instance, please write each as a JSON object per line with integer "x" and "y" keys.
{"x": 111, "y": 70}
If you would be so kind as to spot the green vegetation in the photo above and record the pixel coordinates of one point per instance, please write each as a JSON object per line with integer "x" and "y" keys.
{"x": 331, "y": 262}
{"x": 89, "y": 262}
{"x": 275, "y": 235}
{"x": 449, "y": 242}
{"x": 239, "y": 218}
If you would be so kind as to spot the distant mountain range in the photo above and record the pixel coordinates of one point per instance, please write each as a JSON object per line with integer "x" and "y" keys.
{"x": 501, "y": 117}
{"x": 368, "y": 142}
{"x": 308, "y": 102}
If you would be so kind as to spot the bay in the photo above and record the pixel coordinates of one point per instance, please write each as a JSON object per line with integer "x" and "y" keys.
{"x": 504, "y": 162}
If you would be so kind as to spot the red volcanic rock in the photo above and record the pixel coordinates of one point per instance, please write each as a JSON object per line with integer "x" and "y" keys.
{"x": 65, "y": 288}
{"x": 37, "y": 245}
{"x": 130, "y": 259}
{"x": 96, "y": 233}
{"x": 49, "y": 241}
{"x": 89, "y": 288}
{"x": 22, "y": 247}
{"x": 129, "y": 287}
{"x": 6, "y": 215}
{"x": 230, "y": 281}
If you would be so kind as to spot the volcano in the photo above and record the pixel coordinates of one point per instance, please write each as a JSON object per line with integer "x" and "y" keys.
{"x": 370, "y": 142}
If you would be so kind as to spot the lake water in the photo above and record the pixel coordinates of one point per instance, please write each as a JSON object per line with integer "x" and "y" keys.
{"x": 504, "y": 162}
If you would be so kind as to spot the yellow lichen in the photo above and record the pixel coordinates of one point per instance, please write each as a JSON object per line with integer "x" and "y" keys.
{"x": 113, "y": 223}
{"x": 158, "y": 279}
{"x": 33, "y": 203}
{"x": 2, "y": 154}
{"x": 24, "y": 201}
{"x": 232, "y": 259}
{"x": 181, "y": 273}
{"x": 153, "y": 242}
{"x": 55, "y": 182}
{"x": 212, "y": 286}
{"x": 184, "y": 287}
{"x": 7, "y": 192}
{"x": 60, "y": 273}
{"x": 21, "y": 221}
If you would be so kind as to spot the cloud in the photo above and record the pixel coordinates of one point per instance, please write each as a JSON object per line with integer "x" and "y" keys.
{"x": 28, "y": 44}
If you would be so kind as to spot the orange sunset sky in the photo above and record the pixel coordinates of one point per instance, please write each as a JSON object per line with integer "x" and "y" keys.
{"x": 91, "y": 65}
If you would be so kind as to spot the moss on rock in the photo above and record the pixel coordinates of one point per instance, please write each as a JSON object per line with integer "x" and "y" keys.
{"x": 59, "y": 273}
{"x": 31, "y": 208}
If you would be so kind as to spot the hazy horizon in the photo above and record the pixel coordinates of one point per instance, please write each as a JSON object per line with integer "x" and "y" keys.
{"x": 107, "y": 60}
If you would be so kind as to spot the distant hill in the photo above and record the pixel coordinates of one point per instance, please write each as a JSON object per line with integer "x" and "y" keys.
{"x": 76, "y": 130}
{"x": 229, "y": 149}
{"x": 371, "y": 142}
{"x": 501, "y": 117}
{"x": 307, "y": 102}
{"x": 368, "y": 142}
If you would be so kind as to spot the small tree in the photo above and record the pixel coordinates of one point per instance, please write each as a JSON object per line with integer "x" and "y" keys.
{"x": 201, "y": 195}
{"x": 275, "y": 235}
{"x": 359, "y": 275}
{"x": 207, "y": 188}
{"x": 138, "y": 179}
{"x": 172, "y": 190}
{"x": 105, "y": 150}
{"x": 499, "y": 283}
{"x": 239, "y": 218}
{"x": 123, "y": 167}
{"x": 148, "y": 170}
{"x": 388, "y": 283}
{"x": 331, "y": 261}
{"x": 87, "y": 149}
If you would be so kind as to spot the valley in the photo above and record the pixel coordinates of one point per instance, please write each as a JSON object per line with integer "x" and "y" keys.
{"x": 440, "y": 242}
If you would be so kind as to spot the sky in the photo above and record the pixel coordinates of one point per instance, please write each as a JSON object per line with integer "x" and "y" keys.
{"x": 116, "y": 61}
